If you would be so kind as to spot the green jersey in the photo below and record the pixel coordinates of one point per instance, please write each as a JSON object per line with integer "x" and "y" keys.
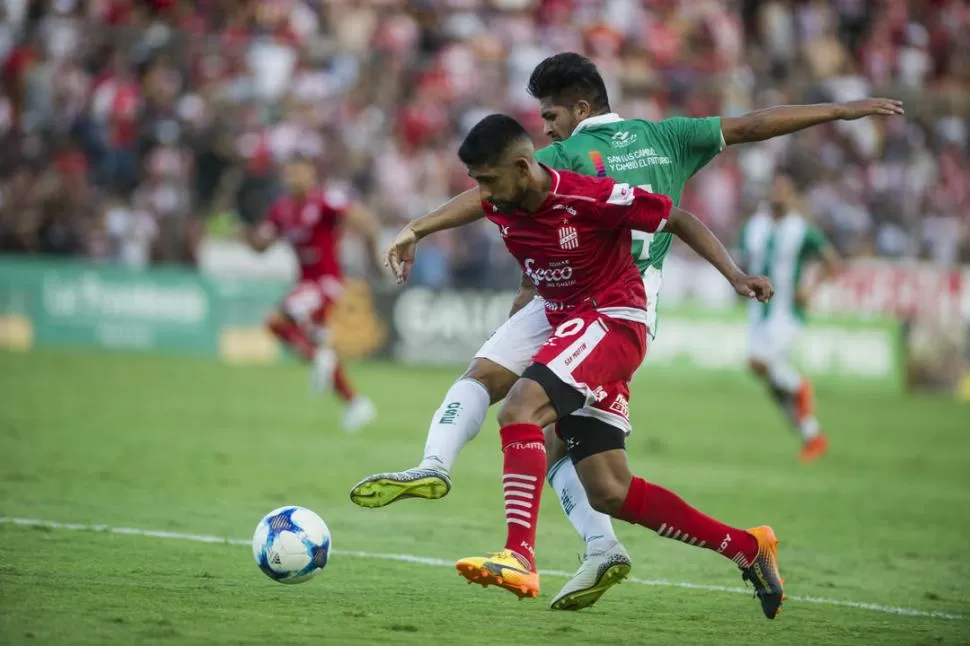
{"x": 658, "y": 156}
{"x": 780, "y": 249}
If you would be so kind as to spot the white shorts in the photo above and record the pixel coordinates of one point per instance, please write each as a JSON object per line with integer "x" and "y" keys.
{"x": 516, "y": 341}
{"x": 771, "y": 339}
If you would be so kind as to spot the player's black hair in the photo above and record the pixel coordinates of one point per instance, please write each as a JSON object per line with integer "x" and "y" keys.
{"x": 489, "y": 139}
{"x": 567, "y": 78}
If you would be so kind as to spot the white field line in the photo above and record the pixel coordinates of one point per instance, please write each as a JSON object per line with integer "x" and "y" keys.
{"x": 421, "y": 560}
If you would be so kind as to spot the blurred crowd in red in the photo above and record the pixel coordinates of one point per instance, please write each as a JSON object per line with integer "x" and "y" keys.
{"x": 125, "y": 124}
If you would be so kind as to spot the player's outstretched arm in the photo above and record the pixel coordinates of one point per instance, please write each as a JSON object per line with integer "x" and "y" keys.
{"x": 786, "y": 119}
{"x": 458, "y": 211}
{"x": 698, "y": 237}
{"x": 365, "y": 224}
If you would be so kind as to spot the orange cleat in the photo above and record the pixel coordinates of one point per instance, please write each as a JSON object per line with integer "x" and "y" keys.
{"x": 814, "y": 448}
{"x": 504, "y": 569}
{"x": 763, "y": 572}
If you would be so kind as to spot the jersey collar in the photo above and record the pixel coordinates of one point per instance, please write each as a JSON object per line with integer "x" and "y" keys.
{"x": 598, "y": 120}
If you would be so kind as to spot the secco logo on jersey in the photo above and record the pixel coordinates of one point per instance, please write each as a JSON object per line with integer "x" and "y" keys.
{"x": 623, "y": 139}
{"x": 554, "y": 276}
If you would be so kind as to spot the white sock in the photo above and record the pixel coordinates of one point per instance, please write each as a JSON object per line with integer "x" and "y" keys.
{"x": 595, "y": 528}
{"x": 456, "y": 423}
{"x": 808, "y": 428}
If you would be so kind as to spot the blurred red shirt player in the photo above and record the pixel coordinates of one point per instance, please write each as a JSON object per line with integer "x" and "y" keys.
{"x": 311, "y": 218}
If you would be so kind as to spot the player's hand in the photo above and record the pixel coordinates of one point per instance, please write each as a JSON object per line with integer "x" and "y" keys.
{"x": 871, "y": 107}
{"x": 758, "y": 287}
{"x": 400, "y": 255}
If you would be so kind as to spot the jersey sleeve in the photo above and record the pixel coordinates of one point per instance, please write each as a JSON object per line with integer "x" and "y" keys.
{"x": 697, "y": 141}
{"x": 631, "y": 207}
{"x": 815, "y": 241}
{"x": 553, "y": 157}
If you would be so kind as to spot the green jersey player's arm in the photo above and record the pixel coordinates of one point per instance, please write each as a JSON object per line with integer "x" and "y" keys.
{"x": 817, "y": 245}
{"x": 786, "y": 119}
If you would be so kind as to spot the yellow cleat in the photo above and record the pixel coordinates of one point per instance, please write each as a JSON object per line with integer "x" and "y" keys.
{"x": 763, "y": 572}
{"x": 381, "y": 489}
{"x": 504, "y": 569}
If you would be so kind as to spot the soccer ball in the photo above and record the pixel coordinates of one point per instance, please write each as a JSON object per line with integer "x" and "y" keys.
{"x": 291, "y": 544}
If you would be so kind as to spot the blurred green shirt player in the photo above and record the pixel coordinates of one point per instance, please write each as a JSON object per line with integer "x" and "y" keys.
{"x": 589, "y": 138}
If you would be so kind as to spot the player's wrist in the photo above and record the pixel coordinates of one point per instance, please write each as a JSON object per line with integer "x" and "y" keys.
{"x": 415, "y": 231}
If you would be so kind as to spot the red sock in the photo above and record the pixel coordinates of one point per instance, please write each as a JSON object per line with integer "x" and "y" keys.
{"x": 341, "y": 384}
{"x": 293, "y": 335}
{"x": 523, "y": 474}
{"x": 666, "y": 513}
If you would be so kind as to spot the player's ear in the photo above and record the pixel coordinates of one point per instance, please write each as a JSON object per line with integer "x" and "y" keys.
{"x": 522, "y": 166}
{"x": 582, "y": 110}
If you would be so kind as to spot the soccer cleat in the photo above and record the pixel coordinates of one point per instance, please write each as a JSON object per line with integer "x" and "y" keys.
{"x": 506, "y": 569}
{"x": 814, "y": 448}
{"x": 763, "y": 572}
{"x": 358, "y": 413}
{"x": 382, "y": 489}
{"x": 598, "y": 572}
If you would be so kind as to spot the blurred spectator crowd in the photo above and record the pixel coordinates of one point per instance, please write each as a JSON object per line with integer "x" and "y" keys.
{"x": 132, "y": 129}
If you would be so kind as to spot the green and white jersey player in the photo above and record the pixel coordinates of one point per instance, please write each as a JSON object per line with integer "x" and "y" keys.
{"x": 779, "y": 241}
{"x": 576, "y": 110}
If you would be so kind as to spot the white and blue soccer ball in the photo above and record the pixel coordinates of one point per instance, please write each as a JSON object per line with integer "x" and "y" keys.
{"x": 291, "y": 544}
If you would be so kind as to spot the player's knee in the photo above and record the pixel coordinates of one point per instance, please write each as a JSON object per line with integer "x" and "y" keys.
{"x": 523, "y": 405}
{"x": 496, "y": 379}
{"x": 758, "y": 367}
{"x": 607, "y": 497}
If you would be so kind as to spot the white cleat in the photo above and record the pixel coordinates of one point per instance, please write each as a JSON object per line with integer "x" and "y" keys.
{"x": 359, "y": 413}
{"x": 598, "y": 572}
{"x": 324, "y": 364}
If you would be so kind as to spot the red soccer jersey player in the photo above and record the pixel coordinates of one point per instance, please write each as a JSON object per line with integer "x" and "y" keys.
{"x": 310, "y": 219}
{"x": 572, "y": 236}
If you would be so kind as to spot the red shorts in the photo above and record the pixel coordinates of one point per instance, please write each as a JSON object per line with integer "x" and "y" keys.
{"x": 309, "y": 302}
{"x": 597, "y": 355}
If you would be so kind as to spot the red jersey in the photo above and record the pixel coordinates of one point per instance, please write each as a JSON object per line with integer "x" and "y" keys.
{"x": 312, "y": 226}
{"x": 577, "y": 247}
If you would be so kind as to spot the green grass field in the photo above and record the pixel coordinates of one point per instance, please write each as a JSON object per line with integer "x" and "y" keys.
{"x": 192, "y": 446}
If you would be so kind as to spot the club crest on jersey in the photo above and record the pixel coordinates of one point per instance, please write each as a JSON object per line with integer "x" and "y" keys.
{"x": 568, "y": 237}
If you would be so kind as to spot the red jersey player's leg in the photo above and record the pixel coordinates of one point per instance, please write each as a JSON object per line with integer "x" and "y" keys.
{"x": 584, "y": 372}
{"x": 329, "y": 370}
{"x": 529, "y": 407}
{"x": 288, "y": 322}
